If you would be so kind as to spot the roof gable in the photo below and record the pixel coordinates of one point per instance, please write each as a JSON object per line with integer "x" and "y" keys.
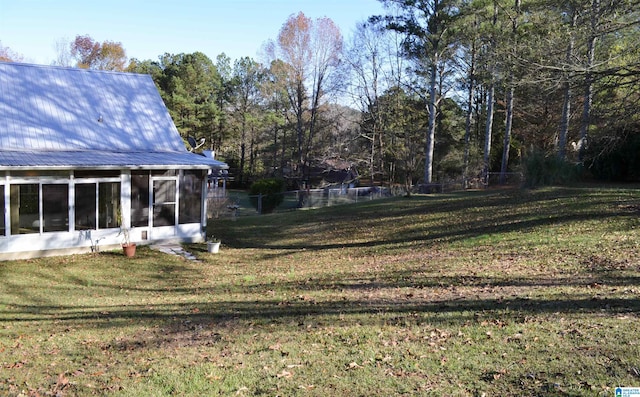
{"x": 46, "y": 108}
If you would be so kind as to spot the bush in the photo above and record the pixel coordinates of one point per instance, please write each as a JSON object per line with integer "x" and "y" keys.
{"x": 541, "y": 169}
{"x": 271, "y": 190}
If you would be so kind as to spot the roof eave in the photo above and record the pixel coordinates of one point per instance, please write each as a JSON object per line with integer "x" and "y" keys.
{"x": 114, "y": 167}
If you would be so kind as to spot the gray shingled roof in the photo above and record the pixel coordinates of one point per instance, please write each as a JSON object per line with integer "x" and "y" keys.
{"x": 53, "y": 117}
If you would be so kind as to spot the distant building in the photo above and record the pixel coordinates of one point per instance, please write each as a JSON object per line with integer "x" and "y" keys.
{"x": 85, "y": 153}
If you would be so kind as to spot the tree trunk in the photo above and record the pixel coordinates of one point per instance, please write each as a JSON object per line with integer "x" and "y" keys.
{"x": 428, "y": 164}
{"x": 252, "y": 154}
{"x": 487, "y": 134}
{"x": 490, "y": 105}
{"x": 566, "y": 105}
{"x": 507, "y": 136}
{"x": 470, "y": 105}
{"x": 510, "y": 93}
{"x": 243, "y": 149}
{"x": 274, "y": 160}
{"x": 300, "y": 127}
{"x": 564, "y": 123}
{"x": 588, "y": 88}
{"x": 372, "y": 155}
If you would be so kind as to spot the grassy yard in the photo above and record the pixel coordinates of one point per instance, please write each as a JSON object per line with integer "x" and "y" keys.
{"x": 492, "y": 293}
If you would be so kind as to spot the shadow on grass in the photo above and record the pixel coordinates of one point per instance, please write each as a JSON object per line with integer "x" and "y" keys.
{"x": 437, "y": 234}
{"x": 428, "y": 219}
{"x": 337, "y": 313}
{"x": 345, "y": 298}
{"x": 342, "y": 298}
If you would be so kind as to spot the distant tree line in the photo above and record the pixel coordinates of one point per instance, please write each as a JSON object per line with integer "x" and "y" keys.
{"x": 431, "y": 91}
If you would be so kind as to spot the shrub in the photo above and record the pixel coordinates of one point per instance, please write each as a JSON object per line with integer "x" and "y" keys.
{"x": 271, "y": 190}
{"x": 542, "y": 169}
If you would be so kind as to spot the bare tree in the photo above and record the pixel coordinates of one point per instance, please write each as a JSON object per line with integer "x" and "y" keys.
{"x": 62, "y": 47}
{"x": 8, "y": 55}
{"x": 311, "y": 52}
{"x": 367, "y": 61}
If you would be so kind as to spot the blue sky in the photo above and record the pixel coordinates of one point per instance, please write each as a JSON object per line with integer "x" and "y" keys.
{"x": 148, "y": 29}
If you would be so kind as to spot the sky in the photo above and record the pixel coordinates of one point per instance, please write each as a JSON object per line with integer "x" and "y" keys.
{"x": 149, "y": 28}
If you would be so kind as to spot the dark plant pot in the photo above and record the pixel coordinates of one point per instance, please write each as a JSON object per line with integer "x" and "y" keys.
{"x": 129, "y": 249}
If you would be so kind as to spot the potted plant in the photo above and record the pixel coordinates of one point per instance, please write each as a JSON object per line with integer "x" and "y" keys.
{"x": 128, "y": 247}
{"x": 213, "y": 245}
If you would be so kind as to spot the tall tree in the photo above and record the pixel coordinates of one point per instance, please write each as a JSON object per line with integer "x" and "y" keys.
{"x": 311, "y": 52}
{"x": 189, "y": 85}
{"x": 572, "y": 17}
{"x": 489, "y": 53}
{"x": 426, "y": 24}
{"x": 219, "y": 131}
{"x": 588, "y": 78}
{"x": 248, "y": 77}
{"x": 514, "y": 16}
{"x": 368, "y": 60}
{"x": 278, "y": 114}
{"x": 90, "y": 54}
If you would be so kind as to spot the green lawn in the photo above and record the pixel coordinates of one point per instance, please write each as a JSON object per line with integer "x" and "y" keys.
{"x": 495, "y": 293}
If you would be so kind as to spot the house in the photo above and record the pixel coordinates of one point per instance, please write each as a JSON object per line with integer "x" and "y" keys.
{"x": 85, "y": 153}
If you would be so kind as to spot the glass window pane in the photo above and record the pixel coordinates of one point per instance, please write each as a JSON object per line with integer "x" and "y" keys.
{"x": 164, "y": 192}
{"x": 2, "y": 228}
{"x": 85, "y": 196}
{"x": 55, "y": 207}
{"x": 96, "y": 173}
{"x": 164, "y": 215}
{"x": 190, "y": 197}
{"x": 25, "y": 210}
{"x": 164, "y": 172}
{"x": 164, "y": 197}
{"x": 140, "y": 199}
{"x": 109, "y": 205}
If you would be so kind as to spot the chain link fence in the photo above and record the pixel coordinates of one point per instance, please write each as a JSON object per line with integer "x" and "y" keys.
{"x": 223, "y": 203}
{"x": 237, "y": 203}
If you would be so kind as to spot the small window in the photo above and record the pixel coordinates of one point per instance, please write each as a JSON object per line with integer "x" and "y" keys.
{"x": 85, "y": 199}
{"x": 190, "y": 197}
{"x": 140, "y": 199}
{"x": 109, "y": 215}
{"x": 25, "y": 211}
{"x": 3, "y": 231}
{"x": 164, "y": 203}
{"x": 55, "y": 207}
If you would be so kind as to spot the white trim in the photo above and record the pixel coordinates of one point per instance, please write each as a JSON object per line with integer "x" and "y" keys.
{"x": 42, "y": 243}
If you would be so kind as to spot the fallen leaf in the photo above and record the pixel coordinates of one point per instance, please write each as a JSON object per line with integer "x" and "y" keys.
{"x": 62, "y": 381}
{"x": 284, "y": 374}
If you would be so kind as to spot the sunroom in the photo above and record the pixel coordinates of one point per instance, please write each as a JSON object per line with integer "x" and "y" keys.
{"x": 85, "y": 154}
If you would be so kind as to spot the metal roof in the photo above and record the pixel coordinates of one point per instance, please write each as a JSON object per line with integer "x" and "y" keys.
{"x": 77, "y": 118}
{"x": 11, "y": 160}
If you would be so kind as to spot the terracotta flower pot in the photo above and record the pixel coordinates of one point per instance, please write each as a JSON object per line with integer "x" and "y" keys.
{"x": 129, "y": 249}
